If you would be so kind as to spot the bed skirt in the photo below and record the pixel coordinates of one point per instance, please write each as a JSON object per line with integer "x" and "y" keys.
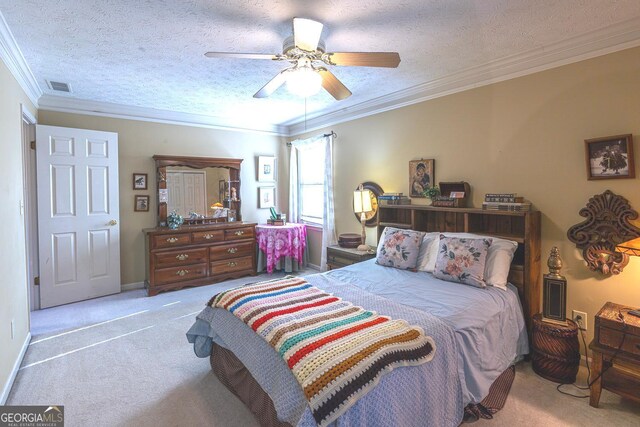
{"x": 237, "y": 378}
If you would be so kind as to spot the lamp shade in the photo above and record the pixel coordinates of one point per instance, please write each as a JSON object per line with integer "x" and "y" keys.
{"x": 362, "y": 201}
{"x": 304, "y": 81}
{"x": 630, "y": 247}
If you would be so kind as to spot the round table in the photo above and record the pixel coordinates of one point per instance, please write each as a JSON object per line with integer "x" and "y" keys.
{"x": 277, "y": 243}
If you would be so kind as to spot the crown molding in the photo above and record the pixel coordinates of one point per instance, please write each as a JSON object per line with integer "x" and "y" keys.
{"x": 611, "y": 39}
{"x": 12, "y": 57}
{"x": 119, "y": 111}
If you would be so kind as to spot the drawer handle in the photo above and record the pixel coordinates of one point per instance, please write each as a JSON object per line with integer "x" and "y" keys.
{"x": 239, "y": 233}
{"x": 182, "y": 257}
{"x": 172, "y": 239}
{"x": 232, "y": 264}
{"x": 232, "y": 250}
{"x": 182, "y": 272}
{"x": 208, "y": 236}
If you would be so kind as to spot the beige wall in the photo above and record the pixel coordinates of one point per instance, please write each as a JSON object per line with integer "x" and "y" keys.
{"x": 524, "y": 135}
{"x": 14, "y": 302}
{"x": 138, "y": 141}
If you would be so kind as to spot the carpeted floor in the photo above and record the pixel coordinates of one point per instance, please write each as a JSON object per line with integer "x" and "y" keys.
{"x": 124, "y": 360}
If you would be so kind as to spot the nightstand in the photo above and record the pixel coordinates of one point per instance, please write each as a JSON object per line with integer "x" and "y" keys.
{"x": 341, "y": 257}
{"x": 615, "y": 362}
{"x": 555, "y": 350}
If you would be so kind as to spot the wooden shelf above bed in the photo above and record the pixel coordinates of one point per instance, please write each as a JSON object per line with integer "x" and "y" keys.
{"x": 521, "y": 227}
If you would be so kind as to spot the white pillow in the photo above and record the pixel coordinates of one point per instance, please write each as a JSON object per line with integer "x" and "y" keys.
{"x": 428, "y": 252}
{"x": 497, "y": 264}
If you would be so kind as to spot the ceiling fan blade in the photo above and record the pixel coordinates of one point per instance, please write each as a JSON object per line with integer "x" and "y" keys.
{"x": 272, "y": 85}
{"x": 332, "y": 85}
{"x": 306, "y": 33}
{"x": 242, "y": 55}
{"x": 365, "y": 59}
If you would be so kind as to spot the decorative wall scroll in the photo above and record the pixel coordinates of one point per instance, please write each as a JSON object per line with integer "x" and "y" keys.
{"x": 607, "y": 224}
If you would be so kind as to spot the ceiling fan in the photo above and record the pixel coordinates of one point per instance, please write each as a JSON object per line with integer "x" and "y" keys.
{"x": 305, "y": 51}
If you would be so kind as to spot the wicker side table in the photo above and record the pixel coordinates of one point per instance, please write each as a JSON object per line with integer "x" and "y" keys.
{"x": 555, "y": 350}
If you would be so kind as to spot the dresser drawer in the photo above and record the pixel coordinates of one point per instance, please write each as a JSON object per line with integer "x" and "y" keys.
{"x": 170, "y": 240}
{"x": 181, "y": 257}
{"x": 239, "y": 233}
{"x": 244, "y": 263}
{"x": 231, "y": 251}
{"x": 180, "y": 273}
{"x": 612, "y": 338}
{"x": 207, "y": 236}
{"x": 340, "y": 261}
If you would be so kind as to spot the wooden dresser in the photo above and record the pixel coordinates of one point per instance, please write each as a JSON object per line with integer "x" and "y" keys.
{"x": 198, "y": 255}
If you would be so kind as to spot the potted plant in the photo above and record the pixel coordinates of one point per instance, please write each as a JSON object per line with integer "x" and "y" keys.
{"x": 431, "y": 192}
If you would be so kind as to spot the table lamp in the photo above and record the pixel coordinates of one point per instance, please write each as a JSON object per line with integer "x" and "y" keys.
{"x": 630, "y": 247}
{"x": 362, "y": 205}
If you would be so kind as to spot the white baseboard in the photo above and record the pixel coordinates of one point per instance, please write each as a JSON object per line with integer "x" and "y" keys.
{"x": 132, "y": 286}
{"x": 16, "y": 366}
{"x": 314, "y": 266}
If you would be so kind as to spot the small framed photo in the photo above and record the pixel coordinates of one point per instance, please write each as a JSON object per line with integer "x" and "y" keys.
{"x": 457, "y": 195}
{"x": 610, "y": 157}
{"x": 266, "y": 169}
{"x": 139, "y": 181}
{"x": 421, "y": 176}
{"x": 267, "y": 197}
{"x": 141, "y": 204}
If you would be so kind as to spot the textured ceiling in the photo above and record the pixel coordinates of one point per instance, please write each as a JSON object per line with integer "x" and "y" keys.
{"x": 151, "y": 53}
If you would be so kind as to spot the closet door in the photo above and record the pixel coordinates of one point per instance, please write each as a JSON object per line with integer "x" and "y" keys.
{"x": 176, "y": 192}
{"x": 187, "y": 192}
{"x": 195, "y": 192}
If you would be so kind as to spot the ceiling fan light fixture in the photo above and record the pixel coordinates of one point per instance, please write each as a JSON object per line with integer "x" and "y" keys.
{"x": 304, "y": 81}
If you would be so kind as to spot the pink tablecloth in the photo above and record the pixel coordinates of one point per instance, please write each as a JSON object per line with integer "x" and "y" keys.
{"x": 280, "y": 241}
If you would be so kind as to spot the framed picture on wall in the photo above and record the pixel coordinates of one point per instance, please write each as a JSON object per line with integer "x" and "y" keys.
{"x": 139, "y": 181}
{"x": 141, "y": 204}
{"x": 421, "y": 176}
{"x": 610, "y": 157}
{"x": 266, "y": 169}
{"x": 267, "y": 197}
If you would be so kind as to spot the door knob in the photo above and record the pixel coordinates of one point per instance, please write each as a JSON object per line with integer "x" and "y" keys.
{"x": 113, "y": 222}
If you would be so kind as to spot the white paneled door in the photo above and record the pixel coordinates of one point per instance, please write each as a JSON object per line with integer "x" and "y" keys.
{"x": 78, "y": 217}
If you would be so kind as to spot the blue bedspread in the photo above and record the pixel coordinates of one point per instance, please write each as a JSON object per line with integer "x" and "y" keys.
{"x": 470, "y": 352}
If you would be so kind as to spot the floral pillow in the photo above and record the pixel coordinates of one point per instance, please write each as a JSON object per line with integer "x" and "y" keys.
{"x": 399, "y": 248}
{"x": 462, "y": 260}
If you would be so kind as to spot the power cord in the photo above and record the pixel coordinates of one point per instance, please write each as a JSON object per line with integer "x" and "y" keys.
{"x": 604, "y": 369}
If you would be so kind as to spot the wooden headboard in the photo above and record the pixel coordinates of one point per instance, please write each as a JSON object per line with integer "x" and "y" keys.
{"x": 522, "y": 227}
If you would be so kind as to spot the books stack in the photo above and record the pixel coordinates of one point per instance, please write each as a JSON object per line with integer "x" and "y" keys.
{"x": 505, "y": 202}
{"x": 393, "y": 199}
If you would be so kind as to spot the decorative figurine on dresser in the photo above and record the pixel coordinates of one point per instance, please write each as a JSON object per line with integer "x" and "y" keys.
{"x": 207, "y": 249}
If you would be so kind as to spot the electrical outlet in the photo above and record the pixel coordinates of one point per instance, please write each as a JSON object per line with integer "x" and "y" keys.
{"x": 580, "y": 317}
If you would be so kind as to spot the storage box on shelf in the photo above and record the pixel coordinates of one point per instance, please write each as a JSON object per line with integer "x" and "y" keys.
{"x": 521, "y": 227}
{"x": 446, "y": 200}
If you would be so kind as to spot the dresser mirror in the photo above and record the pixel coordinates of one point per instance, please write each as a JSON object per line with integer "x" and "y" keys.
{"x": 202, "y": 190}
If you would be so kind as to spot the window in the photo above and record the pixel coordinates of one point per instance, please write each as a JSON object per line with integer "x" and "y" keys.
{"x": 311, "y": 183}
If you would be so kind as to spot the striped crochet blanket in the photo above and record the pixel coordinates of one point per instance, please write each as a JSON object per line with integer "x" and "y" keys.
{"x": 337, "y": 351}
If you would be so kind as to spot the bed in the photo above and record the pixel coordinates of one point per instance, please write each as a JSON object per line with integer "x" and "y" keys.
{"x": 479, "y": 333}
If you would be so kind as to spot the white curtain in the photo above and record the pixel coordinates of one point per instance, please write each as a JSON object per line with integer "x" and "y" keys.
{"x": 329, "y": 225}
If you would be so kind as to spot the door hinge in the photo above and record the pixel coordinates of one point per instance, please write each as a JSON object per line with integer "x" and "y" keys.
{"x": 33, "y": 145}
{"x": 36, "y": 281}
